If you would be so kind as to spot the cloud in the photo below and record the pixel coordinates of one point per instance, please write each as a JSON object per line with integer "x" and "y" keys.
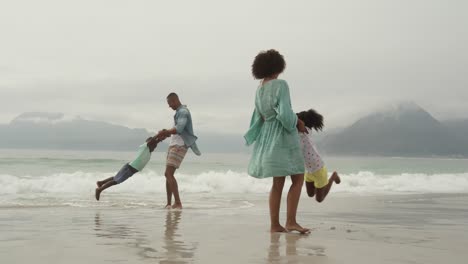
{"x": 117, "y": 60}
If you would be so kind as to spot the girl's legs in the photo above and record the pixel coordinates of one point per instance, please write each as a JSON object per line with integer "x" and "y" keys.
{"x": 310, "y": 189}
{"x": 275, "y": 203}
{"x": 293, "y": 201}
{"x": 322, "y": 192}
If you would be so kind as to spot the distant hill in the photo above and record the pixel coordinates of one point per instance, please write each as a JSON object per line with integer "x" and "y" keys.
{"x": 221, "y": 143}
{"x": 39, "y": 130}
{"x": 459, "y": 129}
{"x": 56, "y": 131}
{"x": 405, "y": 130}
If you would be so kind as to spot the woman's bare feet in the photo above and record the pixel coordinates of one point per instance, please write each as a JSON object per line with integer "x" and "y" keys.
{"x": 98, "y": 193}
{"x": 177, "y": 206}
{"x": 336, "y": 178}
{"x": 278, "y": 229}
{"x": 298, "y": 228}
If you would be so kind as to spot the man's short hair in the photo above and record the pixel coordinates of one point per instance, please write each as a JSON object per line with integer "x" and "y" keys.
{"x": 172, "y": 95}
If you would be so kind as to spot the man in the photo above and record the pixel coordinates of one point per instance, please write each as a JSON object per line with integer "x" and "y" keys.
{"x": 182, "y": 138}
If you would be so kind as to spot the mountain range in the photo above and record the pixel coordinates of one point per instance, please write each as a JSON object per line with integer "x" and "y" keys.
{"x": 39, "y": 130}
{"x": 405, "y": 130}
{"x": 57, "y": 131}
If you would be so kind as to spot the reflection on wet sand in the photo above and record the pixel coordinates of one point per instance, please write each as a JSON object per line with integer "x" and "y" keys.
{"x": 176, "y": 249}
{"x": 173, "y": 250}
{"x": 294, "y": 253}
{"x": 120, "y": 233}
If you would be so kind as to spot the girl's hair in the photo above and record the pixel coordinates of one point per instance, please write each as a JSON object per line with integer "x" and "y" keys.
{"x": 312, "y": 119}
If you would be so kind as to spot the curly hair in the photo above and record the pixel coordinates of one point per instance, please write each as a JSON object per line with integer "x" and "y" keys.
{"x": 268, "y": 63}
{"x": 311, "y": 119}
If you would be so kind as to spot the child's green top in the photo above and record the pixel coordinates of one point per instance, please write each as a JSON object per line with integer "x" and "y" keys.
{"x": 142, "y": 158}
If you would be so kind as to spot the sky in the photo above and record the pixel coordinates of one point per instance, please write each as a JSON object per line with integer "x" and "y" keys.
{"x": 117, "y": 60}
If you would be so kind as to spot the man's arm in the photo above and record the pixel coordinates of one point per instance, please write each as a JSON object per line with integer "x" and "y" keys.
{"x": 160, "y": 136}
{"x": 165, "y": 133}
{"x": 181, "y": 122}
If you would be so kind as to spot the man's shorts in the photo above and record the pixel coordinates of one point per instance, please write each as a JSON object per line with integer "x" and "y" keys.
{"x": 175, "y": 156}
{"x": 319, "y": 178}
{"x": 124, "y": 173}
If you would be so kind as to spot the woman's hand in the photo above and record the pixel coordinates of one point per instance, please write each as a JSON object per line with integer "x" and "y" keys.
{"x": 301, "y": 126}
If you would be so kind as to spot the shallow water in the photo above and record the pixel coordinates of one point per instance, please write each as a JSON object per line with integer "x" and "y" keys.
{"x": 370, "y": 229}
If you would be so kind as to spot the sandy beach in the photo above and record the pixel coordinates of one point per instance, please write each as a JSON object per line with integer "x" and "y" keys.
{"x": 112, "y": 111}
{"x": 428, "y": 228}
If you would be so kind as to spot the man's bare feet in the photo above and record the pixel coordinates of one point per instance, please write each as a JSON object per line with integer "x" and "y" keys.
{"x": 336, "y": 178}
{"x": 298, "y": 228}
{"x": 168, "y": 206}
{"x": 177, "y": 206}
{"x": 278, "y": 229}
{"x": 98, "y": 193}
{"x": 99, "y": 184}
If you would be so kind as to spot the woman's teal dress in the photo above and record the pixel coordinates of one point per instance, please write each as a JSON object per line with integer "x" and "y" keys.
{"x": 277, "y": 151}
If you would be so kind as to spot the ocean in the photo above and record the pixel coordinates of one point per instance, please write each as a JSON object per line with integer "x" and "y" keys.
{"x": 67, "y": 178}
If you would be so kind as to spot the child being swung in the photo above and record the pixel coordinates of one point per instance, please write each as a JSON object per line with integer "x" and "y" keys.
{"x": 127, "y": 171}
{"x": 316, "y": 174}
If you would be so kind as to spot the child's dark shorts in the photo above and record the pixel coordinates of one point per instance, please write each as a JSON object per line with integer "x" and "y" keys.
{"x": 124, "y": 173}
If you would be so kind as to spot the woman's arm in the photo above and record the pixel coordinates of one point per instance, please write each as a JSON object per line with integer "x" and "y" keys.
{"x": 255, "y": 125}
{"x": 284, "y": 112}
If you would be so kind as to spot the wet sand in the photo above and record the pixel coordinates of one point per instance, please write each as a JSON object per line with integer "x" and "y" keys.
{"x": 346, "y": 229}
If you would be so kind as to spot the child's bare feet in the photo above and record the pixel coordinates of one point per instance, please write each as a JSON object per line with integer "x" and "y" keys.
{"x": 99, "y": 184}
{"x": 177, "y": 206}
{"x": 98, "y": 193}
{"x": 278, "y": 229}
{"x": 336, "y": 178}
{"x": 298, "y": 228}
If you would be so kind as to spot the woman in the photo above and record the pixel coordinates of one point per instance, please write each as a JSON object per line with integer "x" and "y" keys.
{"x": 273, "y": 128}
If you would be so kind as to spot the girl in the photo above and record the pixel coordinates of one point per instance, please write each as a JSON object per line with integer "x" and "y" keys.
{"x": 316, "y": 175}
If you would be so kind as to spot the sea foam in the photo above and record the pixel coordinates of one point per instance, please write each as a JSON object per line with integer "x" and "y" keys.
{"x": 363, "y": 182}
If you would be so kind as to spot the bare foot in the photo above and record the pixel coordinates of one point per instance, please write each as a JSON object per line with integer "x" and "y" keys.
{"x": 336, "y": 178}
{"x": 98, "y": 193}
{"x": 278, "y": 229}
{"x": 99, "y": 184}
{"x": 177, "y": 206}
{"x": 168, "y": 207}
{"x": 298, "y": 228}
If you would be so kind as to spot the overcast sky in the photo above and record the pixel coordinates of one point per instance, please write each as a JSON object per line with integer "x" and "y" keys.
{"x": 117, "y": 60}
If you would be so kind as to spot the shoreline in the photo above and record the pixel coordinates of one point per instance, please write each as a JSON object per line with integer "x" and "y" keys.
{"x": 234, "y": 229}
